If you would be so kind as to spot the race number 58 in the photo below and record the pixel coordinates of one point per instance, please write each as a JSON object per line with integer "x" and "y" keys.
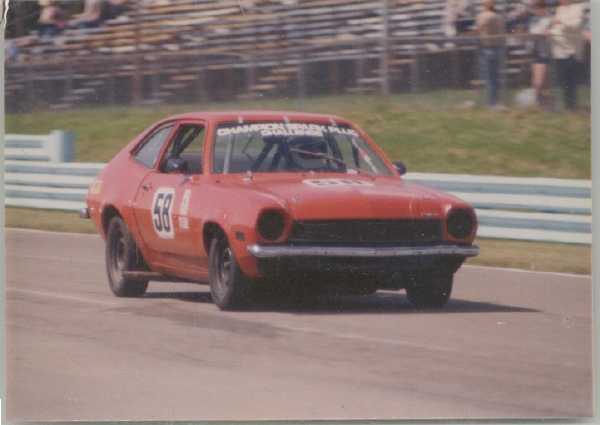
{"x": 162, "y": 212}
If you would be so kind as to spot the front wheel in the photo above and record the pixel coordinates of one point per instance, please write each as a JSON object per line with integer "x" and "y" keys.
{"x": 430, "y": 290}
{"x": 122, "y": 255}
{"x": 229, "y": 287}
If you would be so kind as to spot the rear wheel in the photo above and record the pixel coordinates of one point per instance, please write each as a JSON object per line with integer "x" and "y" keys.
{"x": 430, "y": 290}
{"x": 122, "y": 255}
{"x": 229, "y": 287}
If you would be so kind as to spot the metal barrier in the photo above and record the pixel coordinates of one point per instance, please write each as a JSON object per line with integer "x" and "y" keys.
{"x": 58, "y": 146}
{"x": 536, "y": 209}
{"x": 45, "y": 185}
{"x": 533, "y": 209}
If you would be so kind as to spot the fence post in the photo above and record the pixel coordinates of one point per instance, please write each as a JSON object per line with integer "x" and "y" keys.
{"x": 112, "y": 81}
{"x": 384, "y": 61}
{"x": 60, "y": 146}
{"x": 301, "y": 78}
{"x": 30, "y": 88}
{"x": 415, "y": 69}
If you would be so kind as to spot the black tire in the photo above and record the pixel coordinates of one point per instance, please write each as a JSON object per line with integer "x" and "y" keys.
{"x": 431, "y": 290}
{"x": 229, "y": 287}
{"x": 122, "y": 255}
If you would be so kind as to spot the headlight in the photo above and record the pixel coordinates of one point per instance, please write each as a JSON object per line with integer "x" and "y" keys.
{"x": 271, "y": 225}
{"x": 460, "y": 223}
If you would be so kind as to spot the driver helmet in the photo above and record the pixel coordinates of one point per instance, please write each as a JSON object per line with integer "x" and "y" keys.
{"x": 308, "y": 146}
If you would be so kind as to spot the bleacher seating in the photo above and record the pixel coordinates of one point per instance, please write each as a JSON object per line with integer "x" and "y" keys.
{"x": 175, "y": 47}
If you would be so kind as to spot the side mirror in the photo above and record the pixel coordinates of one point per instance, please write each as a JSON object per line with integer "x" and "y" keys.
{"x": 401, "y": 167}
{"x": 176, "y": 165}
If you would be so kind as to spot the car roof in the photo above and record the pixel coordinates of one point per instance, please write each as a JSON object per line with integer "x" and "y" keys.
{"x": 242, "y": 116}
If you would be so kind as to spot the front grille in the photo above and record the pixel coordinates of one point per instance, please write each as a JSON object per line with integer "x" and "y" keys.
{"x": 366, "y": 232}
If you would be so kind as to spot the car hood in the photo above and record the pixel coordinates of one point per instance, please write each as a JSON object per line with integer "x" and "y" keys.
{"x": 354, "y": 197}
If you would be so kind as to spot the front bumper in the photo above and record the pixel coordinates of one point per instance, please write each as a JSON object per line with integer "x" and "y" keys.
{"x": 277, "y": 260}
{"x": 284, "y": 251}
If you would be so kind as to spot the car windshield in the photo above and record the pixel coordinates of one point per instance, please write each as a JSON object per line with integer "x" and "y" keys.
{"x": 293, "y": 147}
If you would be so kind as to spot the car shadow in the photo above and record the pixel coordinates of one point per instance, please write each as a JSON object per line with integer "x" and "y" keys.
{"x": 195, "y": 297}
{"x": 378, "y": 303}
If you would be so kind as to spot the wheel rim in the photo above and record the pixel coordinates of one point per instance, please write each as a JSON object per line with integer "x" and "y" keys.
{"x": 118, "y": 257}
{"x": 224, "y": 270}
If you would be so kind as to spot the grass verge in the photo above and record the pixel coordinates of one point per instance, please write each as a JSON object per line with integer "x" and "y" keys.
{"x": 536, "y": 256}
{"x": 431, "y": 132}
{"x": 548, "y": 257}
{"x": 52, "y": 220}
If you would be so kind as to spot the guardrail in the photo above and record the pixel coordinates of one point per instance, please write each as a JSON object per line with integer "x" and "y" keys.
{"x": 58, "y": 146}
{"x": 534, "y": 209}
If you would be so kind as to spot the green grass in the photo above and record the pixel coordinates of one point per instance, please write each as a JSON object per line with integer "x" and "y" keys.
{"x": 431, "y": 132}
{"x": 549, "y": 257}
{"x": 56, "y": 221}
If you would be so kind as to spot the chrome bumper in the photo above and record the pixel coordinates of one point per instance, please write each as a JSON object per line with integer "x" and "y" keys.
{"x": 280, "y": 251}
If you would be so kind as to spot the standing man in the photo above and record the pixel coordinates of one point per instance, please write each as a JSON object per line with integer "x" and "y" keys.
{"x": 538, "y": 24}
{"x": 566, "y": 36}
{"x": 488, "y": 25}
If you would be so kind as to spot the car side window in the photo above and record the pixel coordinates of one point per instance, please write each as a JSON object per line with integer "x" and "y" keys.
{"x": 148, "y": 152}
{"x": 184, "y": 153}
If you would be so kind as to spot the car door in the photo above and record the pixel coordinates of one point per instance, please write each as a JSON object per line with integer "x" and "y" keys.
{"x": 163, "y": 199}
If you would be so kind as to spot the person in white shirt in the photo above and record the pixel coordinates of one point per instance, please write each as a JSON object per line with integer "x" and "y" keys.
{"x": 538, "y": 24}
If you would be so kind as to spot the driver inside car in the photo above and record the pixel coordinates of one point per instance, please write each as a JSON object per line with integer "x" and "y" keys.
{"x": 308, "y": 154}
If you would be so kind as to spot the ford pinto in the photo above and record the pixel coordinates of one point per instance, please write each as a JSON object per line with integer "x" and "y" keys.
{"x": 244, "y": 200}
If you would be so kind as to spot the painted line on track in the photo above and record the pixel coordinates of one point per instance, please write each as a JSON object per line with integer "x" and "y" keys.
{"x": 508, "y": 269}
{"x": 62, "y": 297}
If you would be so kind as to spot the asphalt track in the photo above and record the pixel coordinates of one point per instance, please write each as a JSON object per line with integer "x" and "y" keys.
{"x": 509, "y": 344}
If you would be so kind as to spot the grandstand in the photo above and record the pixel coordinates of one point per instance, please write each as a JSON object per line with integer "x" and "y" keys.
{"x": 170, "y": 51}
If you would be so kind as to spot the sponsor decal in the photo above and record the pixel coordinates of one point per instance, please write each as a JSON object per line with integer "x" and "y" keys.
{"x": 184, "y": 222}
{"x": 185, "y": 202}
{"x": 286, "y": 129}
{"x": 336, "y": 182}
{"x": 162, "y": 212}
{"x": 96, "y": 187}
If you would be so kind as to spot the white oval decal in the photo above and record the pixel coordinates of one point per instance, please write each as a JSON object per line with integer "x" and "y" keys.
{"x": 336, "y": 182}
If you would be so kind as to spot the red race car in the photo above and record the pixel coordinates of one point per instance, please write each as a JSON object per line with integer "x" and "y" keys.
{"x": 244, "y": 200}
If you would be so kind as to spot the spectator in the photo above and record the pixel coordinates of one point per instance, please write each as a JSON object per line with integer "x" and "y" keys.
{"x": 488, "y": 25}
{"x": 584, "y": 51}
{"x": 566, "y": 37}
{"x": 95, "y": 12}
{"x": 53, "y": 20}
{"x": 118, "y": 7}
{"x": 586, "y": 32}
{"x": 459, "y": 16}
{"x": 538, "y": 24}
{"x": 11, "y": 51}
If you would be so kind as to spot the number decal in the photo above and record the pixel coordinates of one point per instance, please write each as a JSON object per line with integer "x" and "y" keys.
{"x": 162, "y": 213}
